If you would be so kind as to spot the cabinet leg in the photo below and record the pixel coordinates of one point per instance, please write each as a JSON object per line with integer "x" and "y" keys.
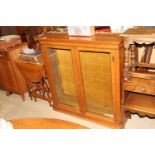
{"x": 23, "y": 97}
{"x": 8, "y": 93}
{"x": 128, "y": 114}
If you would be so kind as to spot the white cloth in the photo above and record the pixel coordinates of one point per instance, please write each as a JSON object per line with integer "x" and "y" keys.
{"x": 119, "y": 29}
{"x": 28, "y": 51}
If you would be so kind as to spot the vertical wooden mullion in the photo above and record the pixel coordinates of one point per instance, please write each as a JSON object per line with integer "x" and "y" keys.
{"x": 78, "y": 79}
{"x": 116, "y": 85}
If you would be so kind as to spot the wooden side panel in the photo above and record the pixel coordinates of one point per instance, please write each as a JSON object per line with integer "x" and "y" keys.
{"x": 116, "y": 83}
{"x": 1, "y": 77}
{"x": 11, "y": 79}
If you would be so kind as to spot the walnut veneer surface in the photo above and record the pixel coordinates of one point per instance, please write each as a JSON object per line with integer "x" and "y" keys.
{"x": 44, "y": 123}
{"x": 10, "y": 78}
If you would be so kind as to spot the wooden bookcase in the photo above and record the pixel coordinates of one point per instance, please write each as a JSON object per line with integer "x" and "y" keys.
{"x": 84, "y": 75}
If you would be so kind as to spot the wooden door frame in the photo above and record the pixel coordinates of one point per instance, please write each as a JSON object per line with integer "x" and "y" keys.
{"x": 48, "y": 67}
{"x": 116, "y": 90}
{"x": 115, "y": 72}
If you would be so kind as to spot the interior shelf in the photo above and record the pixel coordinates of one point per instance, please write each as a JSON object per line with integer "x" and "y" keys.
{"x": 142, "y": 74}
{"x": 140, "y": 103}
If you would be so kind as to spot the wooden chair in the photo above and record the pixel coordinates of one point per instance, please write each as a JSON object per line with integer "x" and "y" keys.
{"x": 34, "y": 74}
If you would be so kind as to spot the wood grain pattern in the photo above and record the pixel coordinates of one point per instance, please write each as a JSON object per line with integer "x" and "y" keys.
{"x": 34, "y": 73}
{"x": 44, "y": 123}
{"x": 96, "y": 74}
{"x": 139, "y": 85}
{"x": 79, "y": 80}
{"x": 139, "y": 89}
{"x": 144, "y": 105}
{"x": 13, "y": 81}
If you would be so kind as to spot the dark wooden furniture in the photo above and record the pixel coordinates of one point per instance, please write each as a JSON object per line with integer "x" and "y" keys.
{"x": 10, "y": 78}
{"x": 27, "y": 33}
{"x": 139, "y": 72}
{"x": 84, "y": 75}
{"x": 44, "y": 123}
{"x": 34, "y": 73}
{"x": 9, "y": 41}
{"x": 7, "y": 30}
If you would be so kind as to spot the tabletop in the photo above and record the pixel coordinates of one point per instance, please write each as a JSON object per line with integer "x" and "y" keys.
{"x": 44, "y": 123}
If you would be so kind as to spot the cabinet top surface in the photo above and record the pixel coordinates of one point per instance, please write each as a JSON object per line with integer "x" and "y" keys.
{"x": 139, "y": 35}
{"x": 3, "y": 50}
{"x": 149, "y": 32}
{"x": 97, "y": 38}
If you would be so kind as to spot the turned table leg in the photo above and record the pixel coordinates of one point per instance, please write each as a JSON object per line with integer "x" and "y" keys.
{"x": 133, "y": 57}
{"x": 126, "y": 62}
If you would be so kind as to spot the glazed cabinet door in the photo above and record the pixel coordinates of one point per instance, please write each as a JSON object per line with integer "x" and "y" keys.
{"x": 100, "y": 74}
{"x": 63, "y": 77}
{"x": 97, "y": 82}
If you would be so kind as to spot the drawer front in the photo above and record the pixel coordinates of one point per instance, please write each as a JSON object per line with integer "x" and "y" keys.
{"x": 140, "y": 87}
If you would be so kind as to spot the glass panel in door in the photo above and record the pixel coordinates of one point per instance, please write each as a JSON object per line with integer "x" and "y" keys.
{"x": 62, "y": 68}
{"x": 97, "y": 80}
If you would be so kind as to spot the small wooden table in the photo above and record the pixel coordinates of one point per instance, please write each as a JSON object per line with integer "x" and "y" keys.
{"x": 44, "y": 123}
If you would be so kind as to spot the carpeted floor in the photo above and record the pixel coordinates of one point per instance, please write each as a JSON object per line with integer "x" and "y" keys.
{"x": 13, "y": 107}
